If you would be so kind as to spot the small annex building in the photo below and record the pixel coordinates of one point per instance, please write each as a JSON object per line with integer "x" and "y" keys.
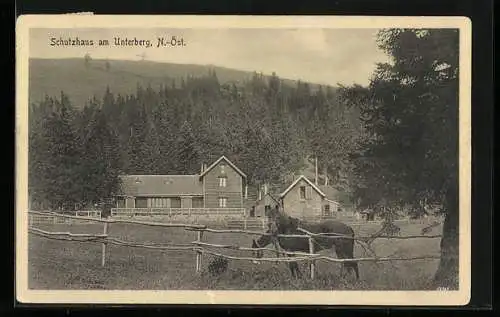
{"x": 305, "y": 200}
{"x": 301, "y": 198}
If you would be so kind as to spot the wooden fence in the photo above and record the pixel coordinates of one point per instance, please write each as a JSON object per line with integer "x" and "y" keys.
{"x": 50, "y": 218}
{"x": 172, "y": 212}
{"x": 219, "y": 217}
{"x": 201, "y": 247}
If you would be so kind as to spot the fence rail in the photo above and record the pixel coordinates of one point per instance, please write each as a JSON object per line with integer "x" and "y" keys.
{"x": 104, "y": 220}
{"x": 241, "y": 212}
{"x": 200, "y": 247}
{"x": 50, "y": 218}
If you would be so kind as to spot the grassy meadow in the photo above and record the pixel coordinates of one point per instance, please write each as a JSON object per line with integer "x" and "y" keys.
{"x": 75, "y": 265}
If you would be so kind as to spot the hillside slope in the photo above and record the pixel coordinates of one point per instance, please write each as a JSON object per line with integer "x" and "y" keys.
{"x": 80, "y": 83}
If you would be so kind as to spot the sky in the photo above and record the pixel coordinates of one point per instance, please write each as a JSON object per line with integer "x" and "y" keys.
{"x": 323, "y": 56}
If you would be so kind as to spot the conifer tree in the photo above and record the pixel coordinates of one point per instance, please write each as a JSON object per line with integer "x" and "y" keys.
{"x": 410, "y": 113}
{"x": 186, "y": 154}
{"x": 63, "y": 157}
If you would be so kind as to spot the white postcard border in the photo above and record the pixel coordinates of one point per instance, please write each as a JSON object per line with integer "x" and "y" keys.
{"x": 417, "y": 298}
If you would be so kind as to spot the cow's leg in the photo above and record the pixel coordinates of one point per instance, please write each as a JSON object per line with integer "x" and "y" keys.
{"x": 296, "y": 269}
{"x": 337, "y": 249}
{"x": 293, "y": 269}
{"x": 292, "y": 272}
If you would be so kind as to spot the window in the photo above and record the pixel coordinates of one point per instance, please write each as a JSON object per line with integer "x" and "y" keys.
{"x": 222, "y": 202}
{"x": 302, "y": 192}
{"x": 158, "y": 202}
{"x": 120, "y": 203}
{"x": 222, "y": 181}
{"x": 141, "y": 202}
{"x": 252, "y": 211}
{"x": 175, "y": 202}
{"x": 326, "y": 210}
{"x": 197, "y": 202}
{"x": 222, "y": 168}
{"x": 267, "y": 210}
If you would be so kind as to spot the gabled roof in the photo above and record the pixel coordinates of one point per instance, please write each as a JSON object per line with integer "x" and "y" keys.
{"x": 331, "y": 193}
{"x": 302, "y": 177}
{"x": 161, "y": 185}
{"x": 228, "y": 162}
{"x": 269, "y": 198}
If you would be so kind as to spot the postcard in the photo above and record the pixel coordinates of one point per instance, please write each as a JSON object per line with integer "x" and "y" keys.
{"x": 246, "y": 160}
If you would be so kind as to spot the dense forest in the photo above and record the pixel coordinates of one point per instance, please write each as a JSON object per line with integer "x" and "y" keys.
{"x": 266, "y": 127}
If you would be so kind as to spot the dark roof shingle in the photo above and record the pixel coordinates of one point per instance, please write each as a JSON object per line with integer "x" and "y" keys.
{"x": 161, "y": 185}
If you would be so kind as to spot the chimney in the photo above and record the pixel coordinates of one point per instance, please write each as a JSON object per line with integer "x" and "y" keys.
{"x": 202, "y": 168}
{"x": 326, "y": 176}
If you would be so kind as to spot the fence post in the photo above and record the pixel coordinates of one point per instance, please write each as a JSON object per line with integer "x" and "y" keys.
{"x": 312, "y": 264}
{"x": 199, "y": 254}
{"x": 103, "y": 256}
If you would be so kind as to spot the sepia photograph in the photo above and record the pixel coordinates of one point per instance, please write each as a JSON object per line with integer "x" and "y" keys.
{"x": 243, "y": 160}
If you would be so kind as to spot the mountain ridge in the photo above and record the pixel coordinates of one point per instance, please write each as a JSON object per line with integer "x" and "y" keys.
{"x": 81, "y": 81}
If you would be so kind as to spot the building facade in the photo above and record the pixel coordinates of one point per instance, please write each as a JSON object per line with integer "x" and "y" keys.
{"x": 221, "y": 188}
{"x": 222, "y": 185}
{"x": 305, "y": 200}
{"x": 301, "y": 199}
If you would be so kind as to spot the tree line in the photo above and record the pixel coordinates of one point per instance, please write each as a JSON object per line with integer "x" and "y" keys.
{"x": 265, "y": 127}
